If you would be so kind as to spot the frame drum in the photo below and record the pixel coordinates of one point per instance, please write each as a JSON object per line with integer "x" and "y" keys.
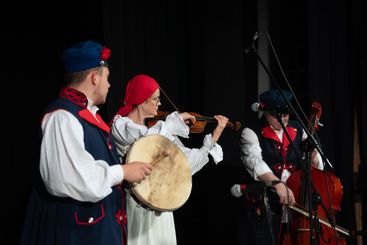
{"x": 169, "y": 185}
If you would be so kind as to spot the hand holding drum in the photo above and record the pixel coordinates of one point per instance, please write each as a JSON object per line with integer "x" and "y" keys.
{"x": 169, "y": 184}
{"x": 136, "y": 171}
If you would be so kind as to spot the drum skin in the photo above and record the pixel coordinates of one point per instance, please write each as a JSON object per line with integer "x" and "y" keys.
{"x": 169, "y": 185}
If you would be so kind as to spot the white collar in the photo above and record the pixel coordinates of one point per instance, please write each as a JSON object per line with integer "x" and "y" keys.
{"x": 91, "y": 107}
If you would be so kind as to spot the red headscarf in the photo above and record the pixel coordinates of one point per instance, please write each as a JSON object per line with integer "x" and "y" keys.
{"x": 138, "y": 90}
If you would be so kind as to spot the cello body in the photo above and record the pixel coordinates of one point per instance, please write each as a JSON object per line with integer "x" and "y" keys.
{"x": 330, "y": 189}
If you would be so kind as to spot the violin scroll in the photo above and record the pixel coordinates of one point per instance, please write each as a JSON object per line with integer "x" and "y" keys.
{"x": 234, "y": 126}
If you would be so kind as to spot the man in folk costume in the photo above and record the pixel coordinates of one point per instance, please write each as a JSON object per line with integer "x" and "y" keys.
{"x": 77, "y": 196}
{"x": 269, "y": 156}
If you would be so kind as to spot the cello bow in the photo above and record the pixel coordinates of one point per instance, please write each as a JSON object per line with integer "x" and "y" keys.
{"x": 298, "y": 208}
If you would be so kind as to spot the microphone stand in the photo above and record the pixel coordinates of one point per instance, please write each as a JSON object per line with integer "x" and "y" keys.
{"x": 268, "y": 216}
{"x": 313, "y": 196}
{"x": 308, "y": 182}
{"x": 311, "y": 140}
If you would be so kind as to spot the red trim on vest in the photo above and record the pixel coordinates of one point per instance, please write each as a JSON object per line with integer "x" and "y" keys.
{"x": 268, "y": 132}
{"x": 91, "y": 220}
{"x": 282, "y": 147}
{"x": 88, "y": 116}
{"x": 74, "y": 96}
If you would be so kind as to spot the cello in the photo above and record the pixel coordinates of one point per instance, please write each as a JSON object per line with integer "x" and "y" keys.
{"x": 326, "y": 198}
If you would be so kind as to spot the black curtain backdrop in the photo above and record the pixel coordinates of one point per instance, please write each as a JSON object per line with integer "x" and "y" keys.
{"x": 195, "y": 51}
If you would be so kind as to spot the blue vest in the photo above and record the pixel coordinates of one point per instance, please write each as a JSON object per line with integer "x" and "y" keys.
{"x": 279, "y": 156}
{"x": 65, "y": 221}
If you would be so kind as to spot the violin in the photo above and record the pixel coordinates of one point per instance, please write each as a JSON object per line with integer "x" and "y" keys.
{"x": 195, "y": 128}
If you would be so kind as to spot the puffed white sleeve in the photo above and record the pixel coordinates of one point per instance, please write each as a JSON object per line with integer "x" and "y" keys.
{"x": 251, "y": 154}
{"x": 199, "y": 157}
{"x": 171, "y": 127}
{"x": 125, "y": 132}
{"x": 67, "y": 169}
{"x": 215, "y": 150}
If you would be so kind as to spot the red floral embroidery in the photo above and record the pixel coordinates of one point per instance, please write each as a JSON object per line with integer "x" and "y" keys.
{"x": 278, "y": 168}
{"x": 121, "y": 217}
{"x": 75, "y": 96}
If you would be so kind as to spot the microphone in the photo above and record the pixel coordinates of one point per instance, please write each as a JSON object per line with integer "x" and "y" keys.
{"x": 254, "y": 38}
{"x": 238, "y": 190}
{"x": 256, "y": 107}
{"x": 282, "y": 110}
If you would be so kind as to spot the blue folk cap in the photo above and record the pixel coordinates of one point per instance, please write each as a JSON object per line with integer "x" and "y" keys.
{"x": 272, "y": 100}
{"x": 85, "y": 55}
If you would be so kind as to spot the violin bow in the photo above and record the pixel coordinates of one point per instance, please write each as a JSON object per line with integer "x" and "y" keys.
{"x": 168, "y": 98}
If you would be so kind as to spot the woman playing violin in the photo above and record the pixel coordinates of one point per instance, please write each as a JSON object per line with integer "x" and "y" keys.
{"x": 142, "y": 100}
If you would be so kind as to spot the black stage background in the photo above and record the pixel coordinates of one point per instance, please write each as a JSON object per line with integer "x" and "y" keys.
{"x": 195, "y": 51}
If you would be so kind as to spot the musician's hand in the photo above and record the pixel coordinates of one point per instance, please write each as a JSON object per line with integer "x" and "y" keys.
{"x": 222, "y": 123}
{"x": 188, "y": 118}
{"x": 285, "y": 194}
{"x": 135, "y": 172}
{"x": 314, "y": 158}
